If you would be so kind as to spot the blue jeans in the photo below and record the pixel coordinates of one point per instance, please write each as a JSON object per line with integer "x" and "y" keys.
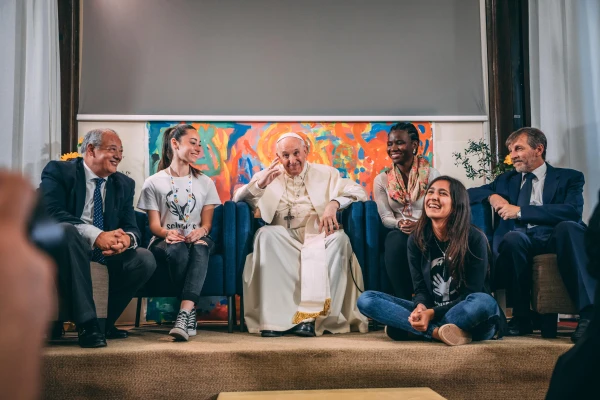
{"x": 477, "y": 314}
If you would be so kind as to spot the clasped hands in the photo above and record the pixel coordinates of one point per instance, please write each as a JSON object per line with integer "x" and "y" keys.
{"x": 504, "y": 209}
{"x": 420, "y": 317}
{"x": 112, "y": 242}
{"x": 174, "y": 236}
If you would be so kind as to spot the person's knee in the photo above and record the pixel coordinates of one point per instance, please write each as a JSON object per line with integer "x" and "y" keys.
{"x": 366, "y": 301}
{"x": 339, "y": 239}
{"x": 147, "y": 261}
{"x": 566, "y": 229}
{"x": 177, "y": 254}
{"x": 513, "y": 240}
{"x": 483, "y": 303}
{"x": 396, "y": 238}
{"x": 266, "y": 234}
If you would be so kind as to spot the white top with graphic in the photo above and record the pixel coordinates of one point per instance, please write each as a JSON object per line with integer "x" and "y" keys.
{"x": 157, "y": 195}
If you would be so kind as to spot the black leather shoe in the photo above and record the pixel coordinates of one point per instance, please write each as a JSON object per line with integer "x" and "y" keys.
{"x": 271, "y": 333}
{"x": 90, "y": 335}
{"x": 114, "y": 333}
{"x": 519, "y": 326}
{"x": 305, "y": 329}
{"x": 581, "y": 328}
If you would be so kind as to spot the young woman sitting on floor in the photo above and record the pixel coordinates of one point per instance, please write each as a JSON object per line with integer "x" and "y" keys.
{"x": 180, "y": 202}
{"x": 448, "y": 259}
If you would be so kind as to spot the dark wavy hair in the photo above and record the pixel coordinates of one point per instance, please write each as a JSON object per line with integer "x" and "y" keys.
{"x": 458, "y": 226}
{"x": 174, "y": 132}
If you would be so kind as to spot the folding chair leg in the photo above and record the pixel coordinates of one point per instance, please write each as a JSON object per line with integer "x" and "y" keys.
{"x": 230, "y": 313}
{"x": 138, "y": 310}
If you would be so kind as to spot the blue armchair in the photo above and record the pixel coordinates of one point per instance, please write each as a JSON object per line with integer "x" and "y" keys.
{"x": 222, "y": 268}
{"x": 352, "y": 219}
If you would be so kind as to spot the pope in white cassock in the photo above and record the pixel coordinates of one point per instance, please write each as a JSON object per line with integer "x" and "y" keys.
{"x": 298, "y": 278}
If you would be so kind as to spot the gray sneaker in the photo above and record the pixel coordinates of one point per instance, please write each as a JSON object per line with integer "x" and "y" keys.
{"x": 191, "y": 326}
{"x": 180, "y": 331}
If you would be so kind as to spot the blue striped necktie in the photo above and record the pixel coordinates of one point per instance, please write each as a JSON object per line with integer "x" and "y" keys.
{"x": 98, "y": 218}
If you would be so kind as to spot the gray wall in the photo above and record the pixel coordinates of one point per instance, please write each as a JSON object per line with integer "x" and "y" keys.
{"x": 282, "y": 57}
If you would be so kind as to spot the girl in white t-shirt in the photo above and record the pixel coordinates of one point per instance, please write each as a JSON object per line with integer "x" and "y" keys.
{"x": 180, "y": 203}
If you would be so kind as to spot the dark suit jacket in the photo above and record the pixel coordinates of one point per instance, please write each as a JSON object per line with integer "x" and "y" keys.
{"x": 562, "y": 198}
{"x": 63, "y": 194}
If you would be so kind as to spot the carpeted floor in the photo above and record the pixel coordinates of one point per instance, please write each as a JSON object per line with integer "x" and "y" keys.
{"x": 149, "y": 365}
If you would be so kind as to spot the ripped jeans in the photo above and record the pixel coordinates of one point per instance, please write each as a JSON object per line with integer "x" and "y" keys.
{"x": 187, "y": 264}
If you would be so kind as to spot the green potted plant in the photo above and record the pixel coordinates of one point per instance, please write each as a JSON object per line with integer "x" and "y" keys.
{"x": 477, "y": 161}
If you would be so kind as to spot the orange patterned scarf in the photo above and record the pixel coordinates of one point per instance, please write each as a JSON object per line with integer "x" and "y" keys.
{"x": 418, "y": 179}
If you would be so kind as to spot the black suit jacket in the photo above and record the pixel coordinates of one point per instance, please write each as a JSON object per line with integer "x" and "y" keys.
{"x": 63, "y": 194}
{"x": 562, "y": 198}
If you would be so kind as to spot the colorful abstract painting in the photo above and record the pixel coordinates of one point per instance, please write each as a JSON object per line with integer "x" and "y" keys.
{"x": 232, "y": 152}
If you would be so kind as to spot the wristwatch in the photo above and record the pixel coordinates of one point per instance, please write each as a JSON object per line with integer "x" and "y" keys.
{"x": 519, "y": 215}
{"x": 131, "y": 240}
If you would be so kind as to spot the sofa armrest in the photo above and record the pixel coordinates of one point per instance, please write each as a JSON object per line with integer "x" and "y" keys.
{"x": 229, "y": 240}
{"x": 244, "y": 239}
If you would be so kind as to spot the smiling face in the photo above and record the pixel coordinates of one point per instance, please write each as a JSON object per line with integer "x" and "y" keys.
{"x": 104, "y": 159}
{"x": 438, "y": 202}
{"x": 400, "y": 148}
{"x": 292, "y": 154}
{"x": 188, "y": 147}
{"x": 524, "y": 157}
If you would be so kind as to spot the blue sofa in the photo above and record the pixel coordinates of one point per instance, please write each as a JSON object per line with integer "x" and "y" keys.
{"x": 223, "y": 270}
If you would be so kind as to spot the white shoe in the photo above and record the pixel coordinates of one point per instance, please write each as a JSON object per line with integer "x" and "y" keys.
{"x": 452, "y": 335}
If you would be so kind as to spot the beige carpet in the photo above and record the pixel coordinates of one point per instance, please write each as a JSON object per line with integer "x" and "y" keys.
{"x": 149, "y": 365}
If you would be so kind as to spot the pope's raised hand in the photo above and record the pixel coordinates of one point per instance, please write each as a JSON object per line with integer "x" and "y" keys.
{"x": 270, "y": 175}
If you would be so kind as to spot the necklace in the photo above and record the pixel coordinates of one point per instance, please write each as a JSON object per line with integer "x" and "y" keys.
{"x": 292, "y": 202}
{"x": 439, "y": 247}
{"x": 175, "y": 189}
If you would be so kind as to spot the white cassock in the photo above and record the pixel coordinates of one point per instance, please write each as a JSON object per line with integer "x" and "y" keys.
{"x": 295, "y": 273}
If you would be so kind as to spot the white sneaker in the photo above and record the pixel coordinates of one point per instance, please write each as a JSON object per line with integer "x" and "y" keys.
{"x": 180, "y": 331}
{"x": 452, "y": 335}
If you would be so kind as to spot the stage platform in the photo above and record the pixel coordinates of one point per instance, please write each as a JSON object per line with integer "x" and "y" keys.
{"x": 148, "y": 365}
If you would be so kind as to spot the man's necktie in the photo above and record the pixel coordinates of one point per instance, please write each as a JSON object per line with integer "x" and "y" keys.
{"x": 525, "y": 198}
{"x": 98, "y": 218}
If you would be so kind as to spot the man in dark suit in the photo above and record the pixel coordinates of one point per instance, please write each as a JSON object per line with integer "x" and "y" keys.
{"x": 94, "y": 204}
{"x": 540, "y": 208}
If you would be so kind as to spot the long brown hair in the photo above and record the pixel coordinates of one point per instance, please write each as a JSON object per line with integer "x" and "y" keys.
{"x": 458, "y": 226}
{"x": 174, "y": 132}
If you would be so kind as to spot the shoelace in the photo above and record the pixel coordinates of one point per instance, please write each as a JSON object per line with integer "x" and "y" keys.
{"x": 182, "y": 320}
{"x": 192, "y": 320}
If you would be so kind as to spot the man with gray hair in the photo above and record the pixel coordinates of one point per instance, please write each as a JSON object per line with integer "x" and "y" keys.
{"x": 540, "y": 209}
{"x": 299, "y": 277}
{"x": 94, "y": 205}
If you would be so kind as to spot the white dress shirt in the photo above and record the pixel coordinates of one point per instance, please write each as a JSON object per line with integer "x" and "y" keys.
{"x": 87, "y": 229}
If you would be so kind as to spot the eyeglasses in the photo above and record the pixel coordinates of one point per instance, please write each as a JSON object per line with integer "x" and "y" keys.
{"x": 112, "y": 150}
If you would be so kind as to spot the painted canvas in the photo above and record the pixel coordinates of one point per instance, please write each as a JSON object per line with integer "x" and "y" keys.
{"x": 232, "y": 152}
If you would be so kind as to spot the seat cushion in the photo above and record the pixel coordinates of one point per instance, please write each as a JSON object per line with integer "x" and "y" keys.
{"x": 549, "y": 294}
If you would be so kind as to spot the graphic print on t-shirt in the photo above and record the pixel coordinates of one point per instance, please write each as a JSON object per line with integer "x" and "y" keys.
{"x": 444, "y": 287}
{"x": 179, "y": 210}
